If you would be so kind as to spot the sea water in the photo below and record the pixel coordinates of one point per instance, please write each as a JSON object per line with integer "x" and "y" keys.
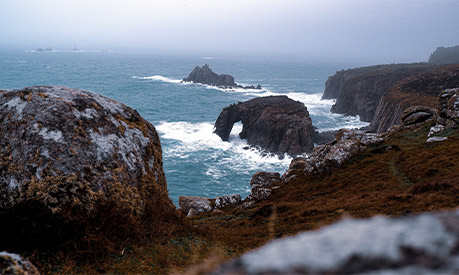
{"x": 196, "y": 161}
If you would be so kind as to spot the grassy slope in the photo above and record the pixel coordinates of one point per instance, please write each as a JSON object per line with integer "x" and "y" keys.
{"x": 400, "y": 176}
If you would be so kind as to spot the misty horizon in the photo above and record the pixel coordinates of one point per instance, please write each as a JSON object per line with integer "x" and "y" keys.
{"x": 341, "y": 31}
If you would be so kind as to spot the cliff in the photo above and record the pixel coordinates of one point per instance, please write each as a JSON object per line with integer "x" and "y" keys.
{"x": 359, "y": 91}
{"x": 445, "y": 55}
{"x": 275, "y": 123}
{"x": 421, "y": 89}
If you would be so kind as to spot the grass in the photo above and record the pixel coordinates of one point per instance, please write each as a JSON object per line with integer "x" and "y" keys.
{"x": 402, "y": 175}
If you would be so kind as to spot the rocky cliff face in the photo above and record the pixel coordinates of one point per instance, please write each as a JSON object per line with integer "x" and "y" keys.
{"x": 358, "y": 91}
{"x": 420, "y": 89}
{"x": 445, "y": 55}
{"x": 205, "y": 75}
{"x": 276, "y": 123}
{"x": 70, "y": 150}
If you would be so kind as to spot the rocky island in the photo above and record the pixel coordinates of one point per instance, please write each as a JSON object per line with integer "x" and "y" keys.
{"x": 275, "y": 123}
{"x": 205, "y": 75}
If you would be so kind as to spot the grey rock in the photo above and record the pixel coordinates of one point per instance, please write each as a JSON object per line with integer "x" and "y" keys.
{"x": 68, "y": 148}
{"x": 227, "y": 200}
{"x": 436, "y": 139}
{"x": 264, "y": 179}
{"x": 11, "y": 263}
{"x": 417, "y": 114}
{"x": 200, "y": 204}
{"x": 425, "y": 243}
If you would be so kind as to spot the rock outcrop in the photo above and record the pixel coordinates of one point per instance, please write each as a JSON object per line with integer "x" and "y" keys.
{"x": 324, "y": 158}
{"x": 448, "y": 108}
{"x": 358, "y": 91}
{"x": 417, "y": 244}
{"x": 445, "y": 55}
{"x": 11, "y": 263}
{"x": 421, "y": 89}
{"x": 276, "y": 123}
{"x": 205, "y": 75}
{"x": 69, "y": 150}
{"x": 192, "y": 206}
{"x": 417, "y": 114}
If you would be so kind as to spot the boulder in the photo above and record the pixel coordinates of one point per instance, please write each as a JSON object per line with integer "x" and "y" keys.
{"x": 205, "y": 75}
{"x": 199, "y": 204}
{"x": 448, "y": 107}
{"x": 68, "y": 150}
{"x": 227, "y": 200}
{"x": 277, "y": 124}
{"x": 264, "y": 179}
{"x": 11, "y": 263}
{"x": 417, "y": 114}
{"x": 417, "y": 244}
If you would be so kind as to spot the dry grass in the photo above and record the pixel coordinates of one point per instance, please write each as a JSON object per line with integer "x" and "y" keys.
{"x": 401, "y": 176}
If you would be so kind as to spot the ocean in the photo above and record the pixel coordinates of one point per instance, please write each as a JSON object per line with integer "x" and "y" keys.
{"x": 196, "y": 161}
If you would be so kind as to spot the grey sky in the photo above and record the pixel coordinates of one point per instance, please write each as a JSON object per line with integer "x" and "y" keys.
{"x": 378, "y": 31}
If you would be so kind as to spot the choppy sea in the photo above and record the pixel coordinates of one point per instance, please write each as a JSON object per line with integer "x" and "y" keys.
{"x": 196, "y": 161}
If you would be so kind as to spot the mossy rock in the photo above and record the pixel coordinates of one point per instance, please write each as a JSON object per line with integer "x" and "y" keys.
{"x": 71, "y": 151}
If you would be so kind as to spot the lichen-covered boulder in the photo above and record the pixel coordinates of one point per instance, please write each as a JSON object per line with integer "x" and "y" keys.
{"x": 68, "y": 149}
{"x": 11, "y": 263}
{"x": 198, "y": 204}
{"x": 448, "y": 107}
{"x": 227, "y": 200}
{"x": 419, "y": 244}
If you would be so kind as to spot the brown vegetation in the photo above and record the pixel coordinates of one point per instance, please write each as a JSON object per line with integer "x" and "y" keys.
{"x": 402, "y": 175}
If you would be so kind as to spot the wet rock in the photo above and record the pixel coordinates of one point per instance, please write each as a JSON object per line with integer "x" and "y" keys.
{"x": 68, "y": 149}
{"x": 11, "y": 263}
{"x": 200, "y": 204}
{"x": 418, "y": 244}
{"x": 205, "y": 75}
{"x": 227, "y": 200}
{"x": 275, "y": 123}
{"x": 417, "y": 114}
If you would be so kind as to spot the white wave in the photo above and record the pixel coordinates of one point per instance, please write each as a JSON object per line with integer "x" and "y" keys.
{"x": 161, "y": 78}
{"x": 208, "y": 58}
{"x": 218, "y": 156}
{"x": 344, "y": 122}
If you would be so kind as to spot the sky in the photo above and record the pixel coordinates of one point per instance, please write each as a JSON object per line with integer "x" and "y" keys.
{"x": 383, "y": 31}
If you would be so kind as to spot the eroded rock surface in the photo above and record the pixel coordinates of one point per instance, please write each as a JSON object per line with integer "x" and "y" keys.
{"x": 275, "y": 123}
{"x": 332, "y": 155}
{"x": 417, "y": 114}
{"x": 67, "y": 149}
{"x": 205, "y": 75}
{"x": 418, "y": 244}
{"x": 11, "y": 263}
{"x": 448, "y": 107}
